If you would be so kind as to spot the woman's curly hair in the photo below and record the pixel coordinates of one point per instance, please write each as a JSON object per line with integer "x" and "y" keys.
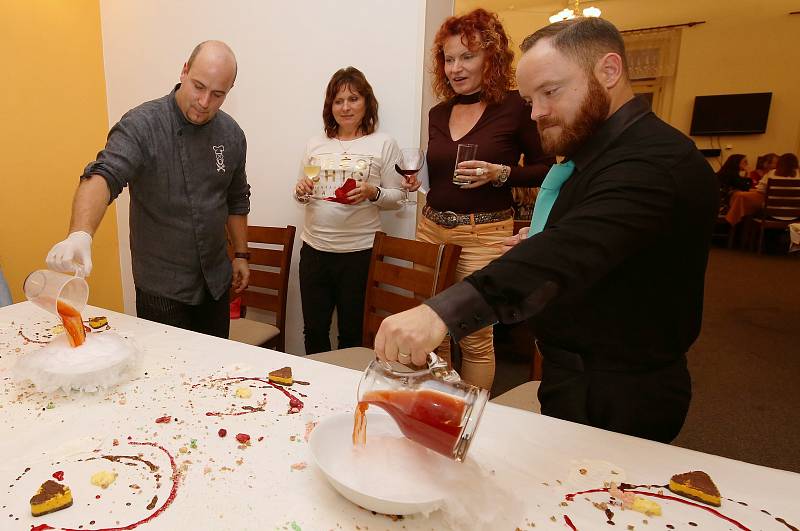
{"x": 479, "y": 29}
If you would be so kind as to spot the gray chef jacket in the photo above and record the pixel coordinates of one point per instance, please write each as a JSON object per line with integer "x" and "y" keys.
{"x": 184, "y": 181}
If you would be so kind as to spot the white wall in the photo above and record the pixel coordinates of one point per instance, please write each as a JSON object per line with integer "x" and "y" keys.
{"x": 287, "y": 52}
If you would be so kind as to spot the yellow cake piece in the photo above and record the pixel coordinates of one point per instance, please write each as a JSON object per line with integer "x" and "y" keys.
{"x": 50, "y": 497}
{"x": 282, "y": 376}
{"x": 104, "y": 478}
{"x": 244, "y": 392}
{"x": 696, "y": 485}
{"x": 98, "y": 322}
{"x": 644, "y": 506}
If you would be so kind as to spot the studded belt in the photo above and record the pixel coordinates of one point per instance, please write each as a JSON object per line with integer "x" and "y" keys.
{"x": 449, "y": 219}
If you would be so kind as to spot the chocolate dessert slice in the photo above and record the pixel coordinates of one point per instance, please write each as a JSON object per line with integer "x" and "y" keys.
{"x": 50, "y": 497}
{"x": 98, "y": 322}
{"x": 282, "y": 376}
{"x": 696, "y": 485}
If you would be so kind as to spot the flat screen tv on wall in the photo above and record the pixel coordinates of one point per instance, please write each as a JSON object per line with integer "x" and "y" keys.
{"x": 730, "y": 114}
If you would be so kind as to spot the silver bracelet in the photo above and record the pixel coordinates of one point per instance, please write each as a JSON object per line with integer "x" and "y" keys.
{"x": 505, "y": 171}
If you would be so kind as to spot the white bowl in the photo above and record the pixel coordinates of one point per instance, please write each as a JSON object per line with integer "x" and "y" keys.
{"x": 391, "y": 475}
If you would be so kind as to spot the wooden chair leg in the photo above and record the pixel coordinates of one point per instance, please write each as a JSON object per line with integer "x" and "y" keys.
{"x": 536, "y": 364}
{"x": 731, "y": 235}
{"x": 761, "y": 239}
{"x": 276, "y": 343}
{"x": 748, "y": 235}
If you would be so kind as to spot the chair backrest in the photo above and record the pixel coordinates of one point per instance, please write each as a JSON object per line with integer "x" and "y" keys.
{"x": 393, "y": 288}
{"x": 270, "y": 259}
{"x": 783, "y": 197}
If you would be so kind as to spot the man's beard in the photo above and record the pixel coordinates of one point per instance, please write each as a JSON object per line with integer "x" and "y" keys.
{"x": 592, "y": 113}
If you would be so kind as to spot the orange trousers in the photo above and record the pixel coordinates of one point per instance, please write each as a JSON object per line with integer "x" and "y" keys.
{"x": 480, "y": 244}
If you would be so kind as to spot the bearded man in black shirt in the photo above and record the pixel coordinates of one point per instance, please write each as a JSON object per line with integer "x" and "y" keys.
{"x": 610, "y": 274}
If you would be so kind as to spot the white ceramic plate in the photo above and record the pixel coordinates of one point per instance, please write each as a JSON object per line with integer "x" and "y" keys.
{"x": 391, "y": 475}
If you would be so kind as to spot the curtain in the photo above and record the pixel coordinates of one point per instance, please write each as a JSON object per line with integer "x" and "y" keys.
{"x": 652, "y": 53}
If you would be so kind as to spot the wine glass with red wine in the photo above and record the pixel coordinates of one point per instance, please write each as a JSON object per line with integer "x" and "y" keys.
{"x": 408, "y": 165}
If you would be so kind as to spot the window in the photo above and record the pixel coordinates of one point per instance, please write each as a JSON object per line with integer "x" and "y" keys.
{"x": 652, "y": 62}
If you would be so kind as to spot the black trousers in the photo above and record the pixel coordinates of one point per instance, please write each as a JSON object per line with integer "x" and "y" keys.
{"x": 647, "y": 402}
{"x": 328, "y": 281}
{"x": 211, "y": 317}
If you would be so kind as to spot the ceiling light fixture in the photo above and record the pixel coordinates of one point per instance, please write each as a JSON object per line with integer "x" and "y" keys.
{"x": 567, "y": 13}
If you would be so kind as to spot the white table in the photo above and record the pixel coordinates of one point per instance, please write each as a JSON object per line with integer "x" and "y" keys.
{"x": 529, "y": 461}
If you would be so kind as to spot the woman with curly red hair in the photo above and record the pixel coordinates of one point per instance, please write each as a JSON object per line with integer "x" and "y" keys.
{"x": 473, "y": 77}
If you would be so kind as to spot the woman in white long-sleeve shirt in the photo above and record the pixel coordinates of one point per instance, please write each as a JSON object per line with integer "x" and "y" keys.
{"x": 356, "y": 179}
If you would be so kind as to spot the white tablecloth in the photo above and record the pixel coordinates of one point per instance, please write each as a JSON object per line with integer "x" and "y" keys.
{"x": 530, "y": 460}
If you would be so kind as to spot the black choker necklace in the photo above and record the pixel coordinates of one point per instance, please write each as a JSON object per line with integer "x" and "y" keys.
{"x": 467, "y": 99}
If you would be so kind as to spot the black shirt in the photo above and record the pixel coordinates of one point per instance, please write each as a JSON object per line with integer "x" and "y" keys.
{"x": 503, "y": 133}
{"x": 617, "y": 273}
{"x": 185, "y": 180}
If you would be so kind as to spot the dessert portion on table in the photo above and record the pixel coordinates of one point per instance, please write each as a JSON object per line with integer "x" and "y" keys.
{"x": 281, "y": 376}
{"x": 696, "y": 485}
{"x": 96, "y": 323}
{"x": 50, "y": 497}
{"x": 692, "y": 487}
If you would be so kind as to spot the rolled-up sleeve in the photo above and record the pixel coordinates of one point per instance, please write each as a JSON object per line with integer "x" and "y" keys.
{"x": 122, "y": 158}
{"x": 239, "y": 190}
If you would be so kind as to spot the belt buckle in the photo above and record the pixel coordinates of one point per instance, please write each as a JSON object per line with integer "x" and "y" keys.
{"x": 453, "y": 219}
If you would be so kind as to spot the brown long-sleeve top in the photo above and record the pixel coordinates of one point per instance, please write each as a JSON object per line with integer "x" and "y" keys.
{"x": 503, "y": 133}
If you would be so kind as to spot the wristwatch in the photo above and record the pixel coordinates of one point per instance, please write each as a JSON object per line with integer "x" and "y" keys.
{"x": 378, "y": 195}
{"x": 246, "y": 256}
{"x": 505, "y": 171}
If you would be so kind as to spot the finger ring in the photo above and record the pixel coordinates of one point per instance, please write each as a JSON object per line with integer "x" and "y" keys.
{"x": 404, "y": 356}
{"x": 479, "y": 171}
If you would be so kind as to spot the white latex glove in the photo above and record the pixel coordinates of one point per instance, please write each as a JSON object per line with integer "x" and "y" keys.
{"x": 72, "y": 254}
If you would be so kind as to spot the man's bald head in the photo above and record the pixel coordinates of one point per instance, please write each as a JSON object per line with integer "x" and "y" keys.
{"x": 206, "y": 79}
{"x": 216, "y": 50}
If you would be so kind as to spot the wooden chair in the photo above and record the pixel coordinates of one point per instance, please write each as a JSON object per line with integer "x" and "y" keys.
{"x": 270, "y": 259}
{"x": 782, "y": 201}
{"x": 724, "y": 231}
{"x": 393, "y": 287}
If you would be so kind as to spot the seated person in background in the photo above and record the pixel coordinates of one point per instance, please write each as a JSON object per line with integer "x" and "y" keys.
{"x": 732, "y": 176}
{"x": 764, "y": 164}
{"x": 786, "y": 167}
{"x": 356, "y": 166}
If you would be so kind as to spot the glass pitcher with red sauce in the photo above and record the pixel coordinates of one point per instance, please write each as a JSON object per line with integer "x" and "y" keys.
{"x": 432, "y": 406}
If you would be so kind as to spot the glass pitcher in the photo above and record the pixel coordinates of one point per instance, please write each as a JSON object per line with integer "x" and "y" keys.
{"x": 62, "y": 295}
{"x": 432, "y": 406}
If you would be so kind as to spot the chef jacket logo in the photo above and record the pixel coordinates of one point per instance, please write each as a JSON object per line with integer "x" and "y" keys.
{"x": 218, "y": 150}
